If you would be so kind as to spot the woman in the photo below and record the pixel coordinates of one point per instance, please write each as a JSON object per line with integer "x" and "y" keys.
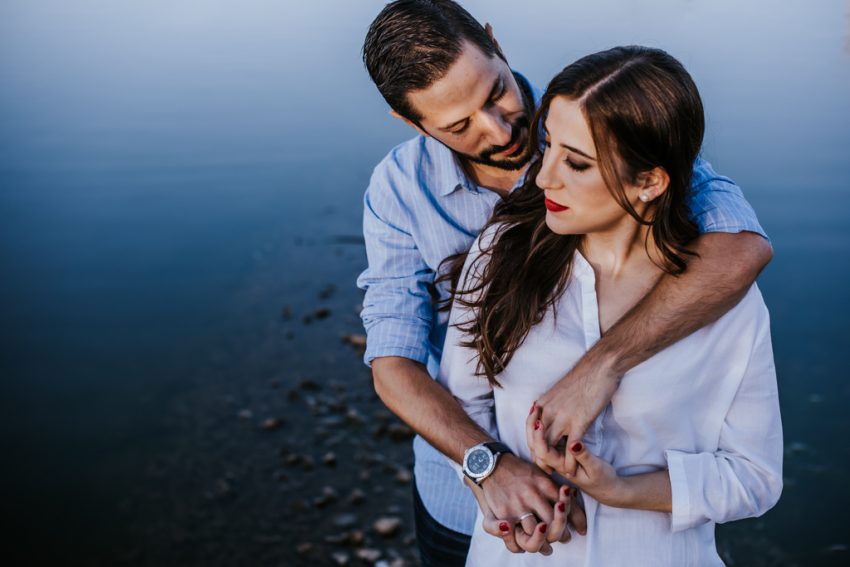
{"x": 693, "y": 435}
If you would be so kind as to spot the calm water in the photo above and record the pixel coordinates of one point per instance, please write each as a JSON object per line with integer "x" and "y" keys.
{"x": 173, "y": 173}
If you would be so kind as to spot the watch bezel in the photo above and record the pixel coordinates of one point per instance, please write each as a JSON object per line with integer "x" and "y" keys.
{"x": 478, "y": 477}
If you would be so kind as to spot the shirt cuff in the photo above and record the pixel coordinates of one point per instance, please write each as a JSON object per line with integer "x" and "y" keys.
{"x": 396, "y": 338}
{"x": 681, "y": 517}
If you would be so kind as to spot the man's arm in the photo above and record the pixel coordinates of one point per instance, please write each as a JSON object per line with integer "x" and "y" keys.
{"x": 514, "y": 488}
{"x": 398, "y": 315}
{"x": 677, "y": 306}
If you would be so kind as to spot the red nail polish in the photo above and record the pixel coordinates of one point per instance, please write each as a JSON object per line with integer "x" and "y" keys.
{"x": 536, "y": 425}
{"x": 561, "y": 507}
{"x": 504, "y": 526}
{"x": 542, "y": 528}
{"x": 576, "y": 447}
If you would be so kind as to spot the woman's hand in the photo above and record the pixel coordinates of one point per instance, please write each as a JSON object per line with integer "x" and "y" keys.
{"x": 531, "y": 535}
{"x": 593, "y": 475}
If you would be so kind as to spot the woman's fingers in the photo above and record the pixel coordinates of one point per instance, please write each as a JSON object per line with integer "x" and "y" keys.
{"x": 559, "y": 521}
{"x": 533, "y": 426}
{"x": 577, "y": 517}
{"x": 533, "y": 543}
{"x": 503, "y": 530}
{"x": 544, "y": 456}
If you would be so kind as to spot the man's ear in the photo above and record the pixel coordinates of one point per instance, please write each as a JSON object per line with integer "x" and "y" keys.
{"x": 653, "y": 183}
{"x": 409, "y": 122}
{"x": 489, "y": 29}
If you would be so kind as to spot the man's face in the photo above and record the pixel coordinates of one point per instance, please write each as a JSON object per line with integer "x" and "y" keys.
{"x": 478, "y": 110}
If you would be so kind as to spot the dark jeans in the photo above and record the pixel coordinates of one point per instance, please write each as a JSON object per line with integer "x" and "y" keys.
{"x": 438, "y": 545}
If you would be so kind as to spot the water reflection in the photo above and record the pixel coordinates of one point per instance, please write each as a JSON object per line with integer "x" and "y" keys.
{"x": 175, "y": 173}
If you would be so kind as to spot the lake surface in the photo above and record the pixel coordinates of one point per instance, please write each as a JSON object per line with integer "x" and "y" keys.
{"x": 180, "y": 190}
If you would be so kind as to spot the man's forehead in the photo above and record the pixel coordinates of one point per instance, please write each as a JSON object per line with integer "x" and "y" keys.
{"x": 469, "y": 79}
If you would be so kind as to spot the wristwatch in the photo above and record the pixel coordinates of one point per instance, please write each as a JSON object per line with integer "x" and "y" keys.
{"x": 479, "y": 461}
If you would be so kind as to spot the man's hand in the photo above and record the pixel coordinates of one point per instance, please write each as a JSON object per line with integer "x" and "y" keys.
{"x": 517, "y": 488}
{"x": 570, "y": 407}
{"x": 534, "y": 534}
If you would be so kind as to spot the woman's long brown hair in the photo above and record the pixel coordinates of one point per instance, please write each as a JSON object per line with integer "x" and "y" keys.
{"x": 644, "y": 112}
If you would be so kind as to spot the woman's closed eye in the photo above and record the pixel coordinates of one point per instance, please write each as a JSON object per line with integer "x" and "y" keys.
{"x": 576, "y": 166}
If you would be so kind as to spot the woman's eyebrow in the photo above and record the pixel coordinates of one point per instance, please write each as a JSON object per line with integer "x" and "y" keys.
{"x": 578, "y": 151}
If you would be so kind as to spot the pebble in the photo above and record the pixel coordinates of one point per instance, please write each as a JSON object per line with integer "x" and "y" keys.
{"x": 340, "y": 558}
{"x": 357, "y": 496}
{"x": 337, "y": 539}
{"x": 272, "y": 423}
{"x": 329, "y": 459}
{"x": 328, "y": 496}
{"x": 322, "y": 313}
{"x": 357, "y": 341}
{"x": 387, "y": 526}
{"x": 304, "y": 548}
{"x": 356, "y": 538}
{"x": 355, "y": 416}
{"x": 245, "y": 414}
{"x": 308, "y": 462}
{"x": 368, "y": 554}
{"x": 403, "y": 476}
{"x": 310, "y": 385}
{"x": 327, "y": 291}
{"x": 400, "y": 432}
{"x": 345, "y": 520}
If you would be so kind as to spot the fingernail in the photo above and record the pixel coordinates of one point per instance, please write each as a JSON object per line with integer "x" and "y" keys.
{"x": 562, "y": 507}
{"x": 542, "y": 528}
{"x": 536, "y": 425}
{"x": 533, "y": 407}
{"x": 504, "y": 526}
{"x": 576, "y": 447}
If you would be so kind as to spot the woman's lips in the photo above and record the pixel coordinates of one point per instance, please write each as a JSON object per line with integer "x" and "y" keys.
{"x": 555, "y": 207}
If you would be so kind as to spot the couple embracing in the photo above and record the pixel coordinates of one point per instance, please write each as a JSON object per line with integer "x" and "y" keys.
{"x": 602, "y": 390}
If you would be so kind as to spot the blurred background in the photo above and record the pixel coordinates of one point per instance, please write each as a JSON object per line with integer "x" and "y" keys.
{"x": 180, "y": 206}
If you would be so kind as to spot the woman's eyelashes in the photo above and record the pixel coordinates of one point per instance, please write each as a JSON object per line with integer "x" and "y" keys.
{"x": 575, "y": 166}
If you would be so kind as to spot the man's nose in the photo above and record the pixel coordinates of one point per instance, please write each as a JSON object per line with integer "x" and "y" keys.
{"x": 499, "y": 130}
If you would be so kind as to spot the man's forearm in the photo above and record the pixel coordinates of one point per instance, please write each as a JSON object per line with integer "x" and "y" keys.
{"x": 677, "y": 306}
{"x": 420, "y": 401}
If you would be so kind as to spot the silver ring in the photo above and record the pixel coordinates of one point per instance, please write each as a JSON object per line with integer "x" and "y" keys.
{"x": 526, "y": 515}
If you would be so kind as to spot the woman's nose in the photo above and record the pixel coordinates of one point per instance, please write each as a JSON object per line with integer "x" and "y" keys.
{"x": 546, "y": 178}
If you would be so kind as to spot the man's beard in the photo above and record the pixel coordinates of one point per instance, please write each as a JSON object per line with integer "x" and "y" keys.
{"x": 518, "y": 130}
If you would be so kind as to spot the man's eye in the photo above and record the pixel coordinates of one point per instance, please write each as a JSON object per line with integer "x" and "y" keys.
{"x": 461, "y": 130}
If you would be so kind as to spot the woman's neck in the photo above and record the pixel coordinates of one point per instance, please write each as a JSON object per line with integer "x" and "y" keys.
{"x": 614, "y": 252}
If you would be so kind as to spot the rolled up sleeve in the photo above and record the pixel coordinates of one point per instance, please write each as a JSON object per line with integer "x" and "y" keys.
{"x": 743, "y": 478}
{"x": 717, "y": 204}
{"x": 397, "y": 309}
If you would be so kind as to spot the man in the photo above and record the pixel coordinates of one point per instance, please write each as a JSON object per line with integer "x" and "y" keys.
{"x": 443, "y": 74}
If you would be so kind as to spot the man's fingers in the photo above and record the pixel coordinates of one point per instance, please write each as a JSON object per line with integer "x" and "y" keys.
{"x": 577, "y": 517}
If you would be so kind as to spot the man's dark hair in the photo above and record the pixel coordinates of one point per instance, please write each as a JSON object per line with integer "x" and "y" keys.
{"x": 412, "y": 44}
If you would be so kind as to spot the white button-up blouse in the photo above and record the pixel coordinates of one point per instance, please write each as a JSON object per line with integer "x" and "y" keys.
{"x": 706, "y": 409}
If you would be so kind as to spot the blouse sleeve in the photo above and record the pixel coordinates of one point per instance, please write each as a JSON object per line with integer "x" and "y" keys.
{"x": 458, "y": 363}
{"x": 743, "y": 478}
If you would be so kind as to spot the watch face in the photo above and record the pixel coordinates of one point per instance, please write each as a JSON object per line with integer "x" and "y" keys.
{"x": 478, "y": 461}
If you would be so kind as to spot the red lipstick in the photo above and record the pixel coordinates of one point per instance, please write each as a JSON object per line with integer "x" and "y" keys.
{"x": 555, "y": 207}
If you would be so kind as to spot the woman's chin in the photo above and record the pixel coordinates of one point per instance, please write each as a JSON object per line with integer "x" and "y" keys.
{"x": 558, "y": 226}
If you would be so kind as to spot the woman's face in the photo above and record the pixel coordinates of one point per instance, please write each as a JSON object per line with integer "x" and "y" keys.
{"x": 577, "y": 199}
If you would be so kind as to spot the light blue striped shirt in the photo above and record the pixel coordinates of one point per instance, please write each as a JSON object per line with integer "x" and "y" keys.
{"x": 420, "y": 208}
